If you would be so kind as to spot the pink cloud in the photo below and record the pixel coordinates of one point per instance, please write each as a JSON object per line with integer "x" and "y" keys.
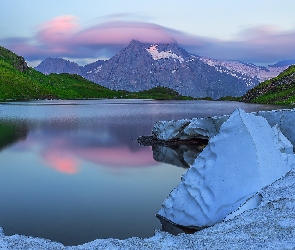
{"x": 57, "y": 30}
{"x": 118, "y": 32}
{"x": 64, "y": 37}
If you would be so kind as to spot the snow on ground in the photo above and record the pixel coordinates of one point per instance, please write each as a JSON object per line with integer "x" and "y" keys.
{"x": 269, "y": 225}
{"x": 163, "y": 54}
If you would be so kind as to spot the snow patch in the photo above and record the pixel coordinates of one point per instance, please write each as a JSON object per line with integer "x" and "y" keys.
{"x": 156, "y": 55}
{"x": 240, "y": 70}
{"x": 98, "y": 69}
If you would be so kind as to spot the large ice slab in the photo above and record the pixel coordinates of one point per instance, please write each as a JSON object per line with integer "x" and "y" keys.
{"x": 246, "y": 155}
{"x": 210, "y": 126}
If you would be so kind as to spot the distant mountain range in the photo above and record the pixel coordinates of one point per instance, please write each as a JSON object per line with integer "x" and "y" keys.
{"x": 142, "y": 66}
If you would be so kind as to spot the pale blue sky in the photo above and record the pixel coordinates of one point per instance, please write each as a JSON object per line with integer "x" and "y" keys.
{"x": 239, "y": 24}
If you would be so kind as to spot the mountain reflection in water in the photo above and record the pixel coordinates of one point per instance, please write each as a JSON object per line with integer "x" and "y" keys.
{"x": 10, "y": 133}
{"x": 177, "y": 155}
{"x": 63, "y": 146}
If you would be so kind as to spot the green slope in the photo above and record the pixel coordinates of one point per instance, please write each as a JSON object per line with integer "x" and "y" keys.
{"x": 278, "y": 90}
{"x": 16, "y": 85}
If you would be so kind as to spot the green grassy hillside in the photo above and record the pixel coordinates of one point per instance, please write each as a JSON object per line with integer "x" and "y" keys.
{"x": 278, "y": 90}
{"x": 16, "y": 85}
{"x": 20, "y": 82}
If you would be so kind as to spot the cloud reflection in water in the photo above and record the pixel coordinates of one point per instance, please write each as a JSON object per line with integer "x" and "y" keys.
{"x": 60, "y": 161}
{"x": 64, "y": 147}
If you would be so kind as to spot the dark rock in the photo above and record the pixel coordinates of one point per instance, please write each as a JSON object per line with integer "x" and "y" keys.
{"x": 21, "y": 65}
{"x": 151, "y": 140}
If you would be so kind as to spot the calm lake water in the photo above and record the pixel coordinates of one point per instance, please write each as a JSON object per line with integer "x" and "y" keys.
{"x": 72, "y": 171}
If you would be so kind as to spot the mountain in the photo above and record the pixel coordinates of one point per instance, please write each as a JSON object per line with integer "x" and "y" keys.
{"x": 91, "y": 68}
{"x": 278, "y": 90}
{"x": 250, "y": 73}
{"x": 283, "y": 63}
{"x": 142, "y": 66}
{"x": 58, "y": 65}
{"x": 20, "y": 82}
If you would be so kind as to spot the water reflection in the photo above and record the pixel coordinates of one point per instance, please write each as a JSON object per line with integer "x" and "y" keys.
{"x": 76, "y": 180}
{"x": 10, "y": 133}
{"x": 178, "y": 155}
{"x": 63, "y": 145}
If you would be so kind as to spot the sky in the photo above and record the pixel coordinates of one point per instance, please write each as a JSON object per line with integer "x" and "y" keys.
{"x": 255, "y": 31}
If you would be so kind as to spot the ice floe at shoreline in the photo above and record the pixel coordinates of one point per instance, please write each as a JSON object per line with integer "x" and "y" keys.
{"x": 246, "y": 155}
{"x": 266, "y": 219}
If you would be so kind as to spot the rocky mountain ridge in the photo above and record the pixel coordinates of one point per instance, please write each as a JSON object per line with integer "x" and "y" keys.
{"x": 142, "y": 66}
{"x": 18, "y": 62}
{"x": 58, "y": 65}
{"x": 278, "y": 90}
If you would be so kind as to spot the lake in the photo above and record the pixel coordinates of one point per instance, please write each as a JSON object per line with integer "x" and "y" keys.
{"x": 72, "y": 171}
